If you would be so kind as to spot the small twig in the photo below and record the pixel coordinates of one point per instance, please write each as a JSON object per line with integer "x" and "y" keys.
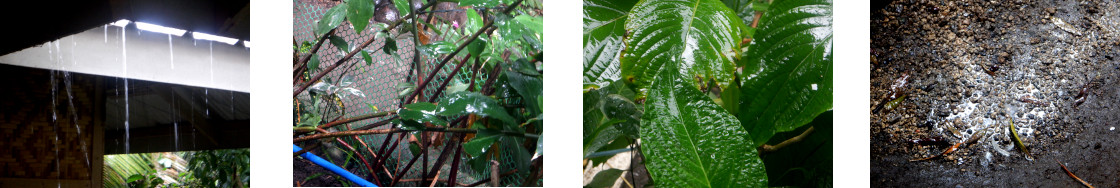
{"x": 766, "y": 148}
{"x": 1074, "y": 176}
{"x": 973, "y": 139}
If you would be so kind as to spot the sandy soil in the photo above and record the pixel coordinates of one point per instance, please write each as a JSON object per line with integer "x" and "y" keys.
{"x": 973, "y": 66}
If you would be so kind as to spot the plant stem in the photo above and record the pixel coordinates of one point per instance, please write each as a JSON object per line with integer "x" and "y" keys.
{"x": 358, "y": 118}
{"x": 447, "y": 80}
{"x": 448, "y": 57}
{"x": 765, "y": 148}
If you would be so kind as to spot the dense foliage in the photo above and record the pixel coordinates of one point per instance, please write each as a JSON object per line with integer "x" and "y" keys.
{"x": 494, "y": 114}
{"x": 706, "y": 82}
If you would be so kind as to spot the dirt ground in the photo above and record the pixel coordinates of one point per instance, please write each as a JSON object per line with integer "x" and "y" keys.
{"x": 975, "y": 65}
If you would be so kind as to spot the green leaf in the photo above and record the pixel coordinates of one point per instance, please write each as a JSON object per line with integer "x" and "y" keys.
{"x": 422, "y": 112}
{"x": 331, "y": 19}
{"x": 482, "y": 3}
{"x": 787, "y": 80}
{"x": 415, "y": 149}
{"x": 540, "y": 145}
{"x": 742, "y": 8}
{"x": 359, "y": 13}
{"x": 760, "y": 6}
{"x": 481, "y": 141}
{"x": 402, "y": 7}
{"x": 807, "y": 163}
{"x": 605, "y": 178}
{"x": 535, "y": 24}
{"x": 390, "y": 46}
{"x": 477, "y": 46}
{"x": 456, "y": 86}
{"x": 408, "y": 125}
{"x": 610, "y": 119}
{"x": 701, "y": 37}
{"x": 689, "y": 140}
{"x": 438, "y": 48}
{"x": 313, "y": 64}
{"x": 529, "y": 87}
{"x": 604, "y": 25}
{"x": 473, "y": 103}
{"x": 474, "y": 21}
{"x": 369, "y": 59}
{"x": 730, "y": 97}
{"x": 340, "y": 43}
{"x": 135, "y": 177}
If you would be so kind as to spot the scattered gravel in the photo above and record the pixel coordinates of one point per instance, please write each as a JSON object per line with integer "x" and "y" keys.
{"x": 976, "y": 65}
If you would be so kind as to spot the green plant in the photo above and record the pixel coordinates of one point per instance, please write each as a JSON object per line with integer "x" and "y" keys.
{"x": 218, "y": 168}
{"x": 705, "y": 85}
{"x": 491, "y": 111}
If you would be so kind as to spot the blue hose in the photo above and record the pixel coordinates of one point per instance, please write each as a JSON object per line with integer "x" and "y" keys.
{"x": 333, "y": 168}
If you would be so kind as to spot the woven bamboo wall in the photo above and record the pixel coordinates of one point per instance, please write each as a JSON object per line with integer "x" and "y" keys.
{"x": 42, "y": 138}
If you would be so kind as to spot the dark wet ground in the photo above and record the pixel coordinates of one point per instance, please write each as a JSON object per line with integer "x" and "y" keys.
{"x": 973, "y": 66}
{"x": 303, "y": 170}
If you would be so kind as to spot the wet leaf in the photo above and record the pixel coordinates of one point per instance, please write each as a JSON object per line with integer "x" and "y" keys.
{"x": 422, "y": 112}
{"x": 340, "y": 43}
{"x": 408, "y": 125}
{"x": 481, "y": 142}
{"x": 331, "y": 19}
{"x": 313, "y": 64}
{"x": 609, "y": 114}
{"x": 352, "y": 91}
{"x": 405, "y": 89}
{"x": 359, "y": 13}
{"x": 604, "y": 25}
{"x": 689, "y": 140}
{"x": 530, "y": 23}
{"x": 456, "y": 86}
{"x": 322, "y": 88}
{"x": 135, "y": 177}
{"x": 540, "y": 145}
{"x": 1015, "y": 137}
{"x": 477, "y": 47}
{"x": 787, "y": 78}
{"x": 605, "y": 178}
{"x": 346, "y": 81}
{"x": 438, "y": 48}
{"x": 474, "y": 21}
{"x": 700, "y": 37}
{"x": 742, "y": 8}
{"x": 529, "y": 87}
{"x": 367, "y": 58}
{"x": 402, "y": 8}
{"x": 473, "y": 103}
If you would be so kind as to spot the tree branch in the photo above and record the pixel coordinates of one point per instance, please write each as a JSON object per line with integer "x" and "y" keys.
{"x": 351, "y": 54}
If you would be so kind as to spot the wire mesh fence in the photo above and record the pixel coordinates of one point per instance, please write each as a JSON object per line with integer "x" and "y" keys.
{"x": 379, "y": 82}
